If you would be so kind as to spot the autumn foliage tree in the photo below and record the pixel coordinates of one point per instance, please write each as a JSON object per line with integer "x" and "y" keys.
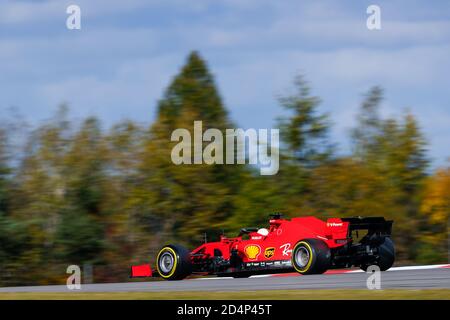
{"x": 189, "y": 199}
{"x": 435, "y": 208}
{"x": 77, "y": 193}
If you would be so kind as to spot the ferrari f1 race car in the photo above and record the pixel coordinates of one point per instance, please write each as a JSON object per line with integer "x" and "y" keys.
{"x": 306, "y": 245}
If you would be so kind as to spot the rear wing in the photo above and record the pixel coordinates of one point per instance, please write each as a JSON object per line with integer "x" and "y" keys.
{"x": 374, "y": 225}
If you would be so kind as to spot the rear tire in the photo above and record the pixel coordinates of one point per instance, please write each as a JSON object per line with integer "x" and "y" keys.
{"x": 386, "y": 256}
{"x": 173, "y": 262}
{"x": 311, "y": 256}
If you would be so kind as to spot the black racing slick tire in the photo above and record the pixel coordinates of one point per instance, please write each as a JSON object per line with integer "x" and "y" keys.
{"x": 311, "y": 256}
{"x": 386, "y": 255}
{"x": 173, "y": 262}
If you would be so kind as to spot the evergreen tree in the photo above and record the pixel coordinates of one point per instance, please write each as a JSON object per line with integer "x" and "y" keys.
{"x": 395, "y": 151}
{"x": 304, "y": 133}
{"x": 193, "y": 91}
{"x": 305, "y": 145}
{"x": 369, "y": 124}
{"x": 75, "y": 195}
{"x": 183, "y": 201}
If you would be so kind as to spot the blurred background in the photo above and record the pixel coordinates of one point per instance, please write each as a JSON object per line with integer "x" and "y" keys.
{"x": 86, "y": 116}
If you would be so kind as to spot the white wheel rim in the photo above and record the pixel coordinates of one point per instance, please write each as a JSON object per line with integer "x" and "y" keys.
{"x": 302, "y": 257}
{"x": 166, "y": 262}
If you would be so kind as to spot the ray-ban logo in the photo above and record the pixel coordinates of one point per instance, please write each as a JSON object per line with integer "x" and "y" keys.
{"x": 240, "y": 145}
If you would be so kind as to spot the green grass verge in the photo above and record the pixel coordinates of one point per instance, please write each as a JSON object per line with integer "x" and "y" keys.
{"x": 239, "y": 295}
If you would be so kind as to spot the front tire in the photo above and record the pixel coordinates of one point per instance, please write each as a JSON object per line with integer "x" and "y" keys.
{"x": 311, "y": 256}
{"x": 173, "y": 262}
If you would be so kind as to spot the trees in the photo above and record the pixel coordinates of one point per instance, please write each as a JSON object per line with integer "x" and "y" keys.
{"x": 124, "y": 144}
{"x": 3, "y": 173}
{"x": 304, "y": 132}
{"x": 186, "y": 200}
{"x": 395, "y": 151}
{"x": 368, "y": 126}
{"x": 435, "y": 208}
{"x": 83, "y": 217}
{"x": 5, "y": 248}
{"x": 193, "y": 93}
{"x": 305, "y": 146}
{"x": 79, "y": 194}
{"x": 13, "y": 234}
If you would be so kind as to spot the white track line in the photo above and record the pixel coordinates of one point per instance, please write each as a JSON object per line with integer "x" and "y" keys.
{"x": 405, "y": 268}
{"x": 436, "y": 266}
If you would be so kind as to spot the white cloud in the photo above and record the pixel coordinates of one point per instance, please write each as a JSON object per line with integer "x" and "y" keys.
{"x": 134, "y": 88}
{"x": 20, "y": 12}
{"x": 119, "y": 67}
{"x": 15, "y": 12}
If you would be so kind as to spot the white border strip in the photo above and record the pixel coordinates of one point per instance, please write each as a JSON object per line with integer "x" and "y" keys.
{"x": 405, "y": 268}
{"x": 408, "y": 268}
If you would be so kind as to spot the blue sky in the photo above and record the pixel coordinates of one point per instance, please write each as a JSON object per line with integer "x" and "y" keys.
{"x": 126, "y": 53}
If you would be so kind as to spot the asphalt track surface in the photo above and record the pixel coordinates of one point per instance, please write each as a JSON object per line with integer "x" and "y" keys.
{"x": 397, "y": 278}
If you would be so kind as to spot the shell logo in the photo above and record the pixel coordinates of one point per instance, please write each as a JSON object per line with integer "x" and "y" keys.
{"x": 252, "y": 251}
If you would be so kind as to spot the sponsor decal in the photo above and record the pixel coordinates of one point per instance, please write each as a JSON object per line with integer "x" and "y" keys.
{"x": 334, "y": 224}
{"x": 286, "y": 249}
{"x": 256, "y": 238}
{"x": 274, "y": 264}
{"x": 252, "y": 251}
{"x": 269, "y": 252}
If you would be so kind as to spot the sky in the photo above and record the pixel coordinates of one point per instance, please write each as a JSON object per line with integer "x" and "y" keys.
{"x": 126, "y": 53}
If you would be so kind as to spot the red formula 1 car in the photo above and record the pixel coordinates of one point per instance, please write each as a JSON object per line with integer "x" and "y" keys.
{"x": 306, "y": 244}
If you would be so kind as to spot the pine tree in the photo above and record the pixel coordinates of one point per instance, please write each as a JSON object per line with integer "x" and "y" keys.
{"x": 395, "y": 151}
{"x": 304, "y": 146}
{"x": 194, "y": 91}
{"x": 304, "y": 133}
{"x": 369, "y": 124}
{"x": 183, "y": 201}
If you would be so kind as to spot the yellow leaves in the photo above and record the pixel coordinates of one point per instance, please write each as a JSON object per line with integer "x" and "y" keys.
{"x": 436, "y": 202}
{"x": 350, "y": 188}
